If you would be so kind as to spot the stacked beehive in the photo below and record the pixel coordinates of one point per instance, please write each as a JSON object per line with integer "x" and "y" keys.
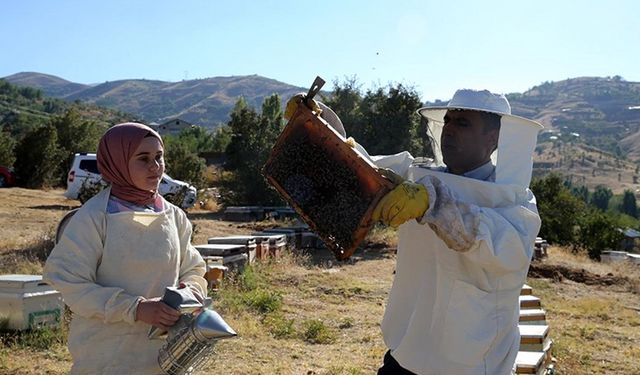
{"x": 534, "y": 356}
{"x": 234, "y": 252}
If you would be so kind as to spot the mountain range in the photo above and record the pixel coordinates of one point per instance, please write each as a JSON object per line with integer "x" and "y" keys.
{"x": 206, "y": 102}
{"x": 604, "y": 112}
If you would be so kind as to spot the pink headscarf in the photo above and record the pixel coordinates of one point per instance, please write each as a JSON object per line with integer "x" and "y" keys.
{"x": 114, "y": 151}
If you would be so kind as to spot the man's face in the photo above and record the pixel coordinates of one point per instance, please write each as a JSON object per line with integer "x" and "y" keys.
{"x": 465, "y": 142}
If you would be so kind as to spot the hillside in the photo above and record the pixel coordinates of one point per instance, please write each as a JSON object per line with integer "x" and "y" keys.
{"x": 50, "y": 85}
{"x": 22, "y": 108}
{"x": 601, "y": 111}
{"x": 206, "y": 102}
{"x": 584, "y": 165}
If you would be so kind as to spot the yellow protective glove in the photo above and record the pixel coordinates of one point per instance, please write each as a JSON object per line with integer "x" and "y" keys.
{"x": 405, "y": 202}
{"x": 295, "y": 101}
{"x": 351, "y": 142}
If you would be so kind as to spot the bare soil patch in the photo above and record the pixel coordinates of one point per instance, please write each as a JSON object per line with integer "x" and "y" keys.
{"x": 580, "y": 275}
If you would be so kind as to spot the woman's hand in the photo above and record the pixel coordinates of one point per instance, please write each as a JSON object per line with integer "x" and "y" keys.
{"x": 155, "y": 312}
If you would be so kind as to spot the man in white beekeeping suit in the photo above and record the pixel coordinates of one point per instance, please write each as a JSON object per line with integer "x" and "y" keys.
{"x": 467, "y": 225}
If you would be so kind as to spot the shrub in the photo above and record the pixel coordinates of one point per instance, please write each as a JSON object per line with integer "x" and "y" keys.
{"x": 38, "y": 158}
{"x": 263, "y": 301}
{"x": 598, "y": 231}
{"x": 279, "y": 326}
{"x": 316, "y": 332}
{"x": 90, "y": 188}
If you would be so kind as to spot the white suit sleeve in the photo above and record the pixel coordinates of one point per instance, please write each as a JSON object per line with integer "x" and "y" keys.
{"x": 72, "y": 266}
{"x": 399, "y": 163}
{"x": 192, "y": 266}
{"x": 500, "y": 239}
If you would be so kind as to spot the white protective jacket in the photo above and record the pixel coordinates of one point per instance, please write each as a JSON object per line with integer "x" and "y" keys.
{"x": 453, "y": 307}
{"x": 103, "y": 265}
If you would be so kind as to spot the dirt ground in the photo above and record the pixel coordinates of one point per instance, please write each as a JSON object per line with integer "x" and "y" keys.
{"x": 26, "y": 215}
{"x": 593, "y": 309}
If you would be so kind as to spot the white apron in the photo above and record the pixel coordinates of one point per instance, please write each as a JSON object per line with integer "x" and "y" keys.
{"x": 141, "y": 255}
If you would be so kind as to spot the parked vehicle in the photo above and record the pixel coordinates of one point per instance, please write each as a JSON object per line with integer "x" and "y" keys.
{"x": 7, "y": 178}
{"x": 84, "y": 181}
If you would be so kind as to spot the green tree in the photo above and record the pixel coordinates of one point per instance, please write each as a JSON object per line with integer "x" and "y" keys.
{"x": 38, "y": 158}
{"x": 345, "y": 101}
{"x": 390, "y": 114}
{"x": 7, "y": 146}
{"x": 182, "y": 163}
{"x": 581, "y": 192}
{"x": 598, "y": 231}
{"x": 600, "y": 197}
{"x": 559, "y": 209}
{"x": 221, "y": 138}
{"x": 383, "y": 120}
{"x": 253, "y": 136}
{"x": 243, "y": 124}
{"x": 629, "y": 205}
{"x": 74, "y": 134}
{"x": 197, "y": 139}
{"x": 19, "y": 123}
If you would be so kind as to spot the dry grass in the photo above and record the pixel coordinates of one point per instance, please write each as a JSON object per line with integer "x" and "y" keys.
{"x": 330, "y": 318}
{"x": 588, "y": 166}
{"x": 307, "y": 314}
{"x": 595, "y": 329}
{"x": 26, "y": 214}
{"x": 327, "y": 320}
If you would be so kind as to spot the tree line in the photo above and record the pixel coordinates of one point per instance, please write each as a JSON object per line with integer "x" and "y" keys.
{"x": 587, "y": 221}
{"x": 382, "y": 119}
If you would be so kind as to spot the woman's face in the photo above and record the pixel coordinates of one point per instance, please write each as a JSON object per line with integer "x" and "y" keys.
{"x": 146, "y": 166}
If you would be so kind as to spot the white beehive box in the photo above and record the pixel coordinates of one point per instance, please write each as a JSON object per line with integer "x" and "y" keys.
{"x": 27, "y": 302}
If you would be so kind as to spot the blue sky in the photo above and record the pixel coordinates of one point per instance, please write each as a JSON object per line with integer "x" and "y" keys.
{"x": 435, "y": 46}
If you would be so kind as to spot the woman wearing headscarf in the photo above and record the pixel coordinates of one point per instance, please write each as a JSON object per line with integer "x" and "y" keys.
{"x": 117, "y": 255}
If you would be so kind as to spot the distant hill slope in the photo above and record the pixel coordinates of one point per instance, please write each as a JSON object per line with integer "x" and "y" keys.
{"x": 600, "y": 110}
{"x": 50, "y": 85}
{"x": 205, "y": 102}
{"x": 24, "y": 108}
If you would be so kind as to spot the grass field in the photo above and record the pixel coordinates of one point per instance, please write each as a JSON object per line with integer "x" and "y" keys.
{"x": 307, "y": 314}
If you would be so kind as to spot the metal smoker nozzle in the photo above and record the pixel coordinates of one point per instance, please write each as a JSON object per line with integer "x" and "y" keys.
{"x": 210, "y": 325}
{"x": 190, "y": 347}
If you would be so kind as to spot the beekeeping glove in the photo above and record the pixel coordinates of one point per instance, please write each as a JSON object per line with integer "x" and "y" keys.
{"x": 295, "y": 101}
{"x": 320, "y": 108}
{"x": 406, "y": 201}
{"x": 351, "y": 142}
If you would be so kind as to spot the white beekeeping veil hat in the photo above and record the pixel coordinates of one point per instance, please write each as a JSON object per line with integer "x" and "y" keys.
{"x": 517, "y": 140}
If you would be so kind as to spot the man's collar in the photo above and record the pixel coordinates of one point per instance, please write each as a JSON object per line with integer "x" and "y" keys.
{"x": 485, "y": 172}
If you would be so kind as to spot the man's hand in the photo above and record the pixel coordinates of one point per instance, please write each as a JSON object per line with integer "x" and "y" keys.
{"x": 405, "y": 202}
{"x": 295, "y": 101}
{"x": 155, "y": 312}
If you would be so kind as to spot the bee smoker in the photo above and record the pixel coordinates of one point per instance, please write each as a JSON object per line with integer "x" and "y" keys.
{"x": 189, "y": 343}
